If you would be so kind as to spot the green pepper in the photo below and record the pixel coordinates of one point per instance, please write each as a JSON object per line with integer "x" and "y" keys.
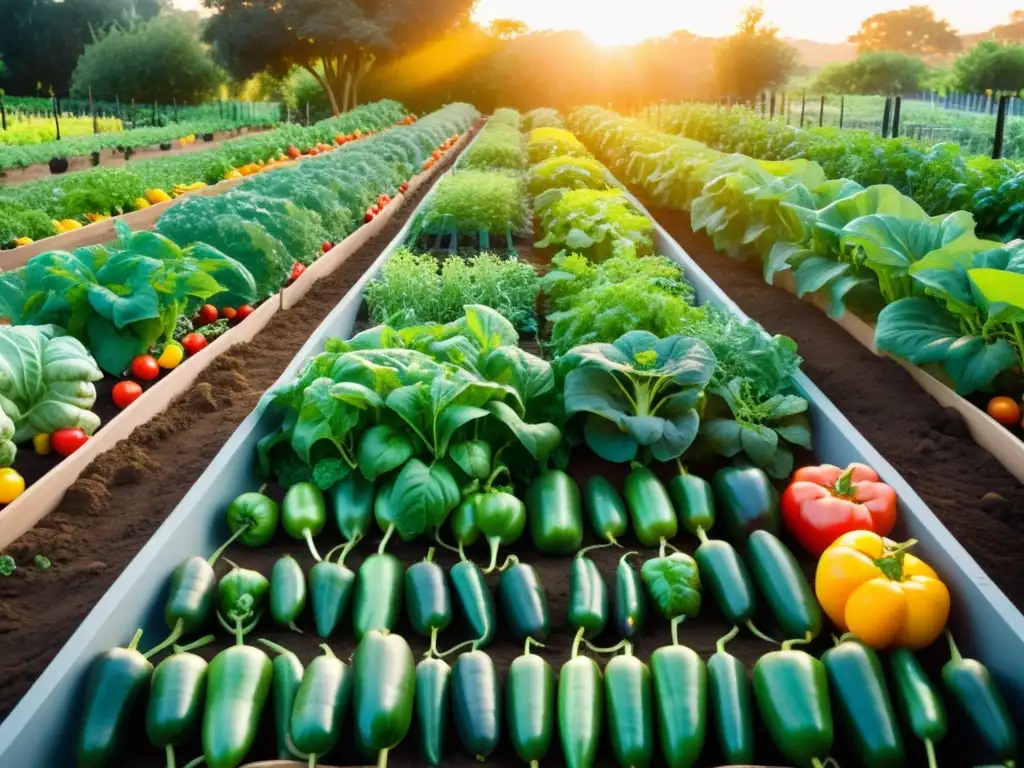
{"x": 285, "y": 682}
{"x": 385, "y": 685}
{"x": 238, "y": 582}
{"x": 784, "y": 586}
{"x": 862, "y": 701}
{"x": 975, "y": 696}
{"x": 304, "y": 514}
{"x": 693, "y": 500}
{"x": 427, "y": 601}
{"x": 746, "y": 500}
{"x": 320, "y": 704}
{"x": 501, "y": 517}
{"x": 650, "y": 508}
{"x": 352, "y": 500}
{"x": 287, "y": 592}
{"x": 475, "y": 601}
{"x": 556, "y": 518}
{"x": 433, "y": 687}
{"x": 918, "y": 701}
{"x": 727, "y": 579}
{"x": 588, "y": 597}
{"x": 530, "y": 706}
{"x": 117, "y": 680}
{"x": 627, "y": 696}
{"x": 580, "y": 708}
{"x": 680, "y": 697}
{"x": 176, "y": 698}
{"x": 791, "y": 689}
{"x": 256, "y": 516}
{"x": 238, "y": 683}
{"x": 524, "y": 603}
{"x": 476, "y": 703}
{"x": 630, "y": 599}
{"x": 378, "y": 599}
{"x": 330, "y": 590}
{"x": 463, "y": 524}
{"x": 731, "y": 705}
{"x": 605, "y": 509}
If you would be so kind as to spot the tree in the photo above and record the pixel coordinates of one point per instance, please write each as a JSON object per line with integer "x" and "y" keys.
{"x": 754, "y": 58}
{"x": 507, "y": 29}
{"x": 909, "y": 30}
{"x": 1012, "y": 32}
{"x": 879, "y": 73}
{"x": 159, "y": 60}
{"x": 336, "y": 41}
{"x": 991, "y": 65}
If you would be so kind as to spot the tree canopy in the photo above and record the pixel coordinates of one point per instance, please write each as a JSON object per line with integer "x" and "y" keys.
{"x": 881, "y": 73}
{"x": 335, "y": 41}
{"x": 913, "y": 30}
{"x": 1012, "y": 32}
{"x": 158, "y": 60}
{"x": 753, "y": 59}
{"x": 990, "y": 65}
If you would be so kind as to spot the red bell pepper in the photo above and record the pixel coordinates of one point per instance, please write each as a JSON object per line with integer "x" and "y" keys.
{"x": 822, "y": 503}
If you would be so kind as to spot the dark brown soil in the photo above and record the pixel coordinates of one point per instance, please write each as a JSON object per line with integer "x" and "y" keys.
{"x": 125, "y": 494}
{"x": 973, "y": 495}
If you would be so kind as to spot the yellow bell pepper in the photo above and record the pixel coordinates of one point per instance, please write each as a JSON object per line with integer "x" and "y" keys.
{"x": 155, "y": 196}
{"x": 41, "y": 444}
{"x": 70, "y": 224}
{"x": 885, "y": 596}
{"x": 57, "y": 226}
{"x": 19, "y": 241}
{"x": 172, "y": 356}
{"x": 140, "y": 203}
{"x": 94, "y": 217}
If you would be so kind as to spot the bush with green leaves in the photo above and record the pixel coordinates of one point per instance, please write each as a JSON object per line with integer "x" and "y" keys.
{"x": 566, "y": 172}
{"x": 413, "y": 289}
{"x": 598, "y": 223}
{"x": 468, "y": 202}
{"x": 499, "y": 147}
{"x": 542, "y": 117}
{"x": 552, "y": 142}
{"x": 505, "y": 116}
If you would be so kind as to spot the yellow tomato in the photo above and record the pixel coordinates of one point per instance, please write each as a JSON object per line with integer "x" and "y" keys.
{"x": 886, "y": 597}
{"x": 155, "y": 196}
{"x": 69, "y": 224}
{"x": 172, "y": 356}
{"x": 41, "y": 444}
{"x": 12, "y": 485}
{"x": 140, "y": 203}
{"x": 19, "y": 241}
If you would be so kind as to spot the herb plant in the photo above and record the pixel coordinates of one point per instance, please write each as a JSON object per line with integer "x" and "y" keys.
{"x": 469, "y": 202}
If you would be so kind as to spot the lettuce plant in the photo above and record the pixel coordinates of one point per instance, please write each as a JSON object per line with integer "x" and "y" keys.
{"x": 566, "y": 172}
{"x": 598, "y": 223}
{"x": 551, "y": 142}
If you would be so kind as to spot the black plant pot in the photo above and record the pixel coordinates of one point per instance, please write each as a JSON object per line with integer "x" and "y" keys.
{"x": 58, "y": 165}
{"x": 165, "y": 146}
{"x": 207, "y": 137}
{"x": 95, "y": 158}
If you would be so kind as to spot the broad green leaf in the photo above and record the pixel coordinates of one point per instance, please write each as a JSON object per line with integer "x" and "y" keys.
{"x": 422, "y": 497}
{"x": 997, "y": 286}
{"x": 673, "y": 583}
{"x": 113, "y": 348}
{"x": 917, "y": 329}
{"x": 382, "y": 449}
{"x": 606, "y": 440}
{"x": 759, "y": 443}
{"x": 815, "y": 273}
{"x": 473, "y": 457}
{"x": 722, "y": 435}
{"x": 973, "y": 362}
{"x": 539, "y": 439}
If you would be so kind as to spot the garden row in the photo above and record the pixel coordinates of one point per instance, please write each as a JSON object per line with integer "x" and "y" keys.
{"x": 437, "y": 433}
{"x": 17, "y": 152}
{"x": 126, "y": 325}
{"x": 937, "y": 176}
{"x": 41, "y": 209}
{"x": 938, "y": 295}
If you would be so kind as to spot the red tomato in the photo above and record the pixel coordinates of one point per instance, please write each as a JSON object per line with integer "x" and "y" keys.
{"x": 371, "y": 214}
{"x": 383, "y": 200}
{"x": 207, "y": 314}
{"x": 404, "y": 188}
{"x": 339, "y": 139}
{"x": 1004, "y": 410}
{"x": 228, "y": 312}
{"x": 436, "y": 154}
{"x": 326, "y": 245}
{"x": 293, "y": 152}
{"x": 297, "y": 270}
{"x": 194, "y": 342}
{"x": 67, "y": 441}
{"x": 145, "y": 367}
{"x": 244, "y": 311}
{"x": 125, "y": 393}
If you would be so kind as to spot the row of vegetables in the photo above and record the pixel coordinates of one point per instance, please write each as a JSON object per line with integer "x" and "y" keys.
{"x": 135, "y": 308}
{"x": 39, "y": 209}
{"x": 942, "y": 297}
{"x": 427, "y": 428}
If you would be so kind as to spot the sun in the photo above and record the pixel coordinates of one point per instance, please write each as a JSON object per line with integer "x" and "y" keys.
{"x": 612, "y": 30}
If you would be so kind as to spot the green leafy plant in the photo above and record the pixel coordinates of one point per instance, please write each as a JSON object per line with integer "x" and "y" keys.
{"x": 548, "y": 142}
{"x": 500, "y": 146}
{"x": 542, "y": 117}
{"x": 42, "y": 563}
{"x": 639, "y": 392}
{"x": 598, "y": 224}
{"x": 673, "y": 582}
{"x": 7, "y": 565}
{"x": 469, "y": 202}
{"x": 566, "y": 172}
{"x": 46, "y": 381}
{"x": 8, "y": 449}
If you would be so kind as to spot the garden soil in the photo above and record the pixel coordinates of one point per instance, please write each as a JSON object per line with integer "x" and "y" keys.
{"x": 126, "y": 493}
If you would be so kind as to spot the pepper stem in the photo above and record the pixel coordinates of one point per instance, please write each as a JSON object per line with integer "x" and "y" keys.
{"x": 196, "y": 763}
{"x": 720, "y": 645}
{"x": 432, "y": 651}
{"x": 386, "y": 539}
{"x": 787, "y": 645}
{"x": 661, "y": 547}
{"x": 929, "y": 748}
{"x": 627, "y": 555}
{"x": 758, "y": 633}
{"x": 702, "y": 535}
{"x": 954, "y": 652}
{"x": 680, "y": 467}
{"x": 675, "y": 628}
{"x": 456, "y": 647}
{"x": 612, "y": 543}
{"x": 312, "y": 761}
{"x": 462, "y": 554}
{"x": 529, "y": 641}
{"x": 171, "y": 639}
{"x": 327, "y": 651}
{"x": 273, "y": 646}
{"x": 628, "y": 650}
{"x": 576, "y": 643}
{"x": 205, "y": 640}
{"x": 493, "y": 542}
{"x": 608, "y": 649}
{"x": 308, "y": 536}
{"x": 510, "y": 560}
{"x": 449, "y": 547}
{"x": 169, "y": 753}
{"x": 349, "y": 546}
{"x": 292, "y": 626}
{"x": 891, "y": 563}
{"x": 844, "y": 485}
{"x": 498, "y": 471}
{"x": 430, "y": 556}
{"x": 231, "y": 540}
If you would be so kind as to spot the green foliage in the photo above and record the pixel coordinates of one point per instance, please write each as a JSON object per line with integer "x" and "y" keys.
{"x": 7, "y": 565}
{"x": 598, "y": 223}
{"x": 46, "y": 381}
{"x": 753, "y": 59}
{"x": 414, "y": 289}
{"x": 542, "y": 117}
{"x": 991, "y": 66}
{"x": 121, "y": 300}
{"x": 673, "y": 582}
{"x": 876, "y": 72}
{"x": 468, "y": 202}
{"x": 18, "y": 220}
{"x": 566, "y": 172}
{"x": 545, "y": 142}
{"x": 499, "y": 147}
{"x": 158, "y": 60}
{"x": 913, "y": 30}
{"x": 8, "y": 449}
{"x": 505, "y": 116}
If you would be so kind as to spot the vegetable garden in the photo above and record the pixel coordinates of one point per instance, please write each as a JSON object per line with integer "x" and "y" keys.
{"x": 502, "y": 476}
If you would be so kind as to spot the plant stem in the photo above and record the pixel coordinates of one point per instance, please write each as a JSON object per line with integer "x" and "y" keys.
{"x": 220, "y": 550}
{"x": 307, "y": 534}
{"x": 720, "y": 645}
{"x": 675, "y": 628}
{"x": 386, "y": 539}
